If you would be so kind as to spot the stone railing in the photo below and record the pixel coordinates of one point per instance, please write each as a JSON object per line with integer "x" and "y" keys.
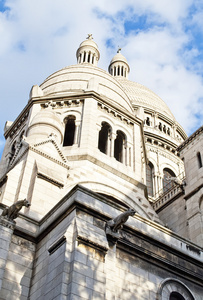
{"x": 167, "y": 197}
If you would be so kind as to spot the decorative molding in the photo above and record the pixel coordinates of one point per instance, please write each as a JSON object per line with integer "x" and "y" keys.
{"x": 7, "y": 223}
{"x": 19, "y": 123}
{"x": 115, "y": 114}
{"x": 190, "y": 139}
{"x": 49, "y": 179}
{"x": 50, "y": 139}
{"x": 170, "y": 285}
{"x": 61, "y": 103}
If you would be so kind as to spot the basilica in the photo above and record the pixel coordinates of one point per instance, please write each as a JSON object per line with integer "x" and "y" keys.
{"x": 101, "y": 193}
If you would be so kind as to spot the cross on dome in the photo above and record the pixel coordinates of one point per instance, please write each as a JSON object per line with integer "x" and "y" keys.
{"x": 89, "y": 37}
{"x": 119, "y": 49}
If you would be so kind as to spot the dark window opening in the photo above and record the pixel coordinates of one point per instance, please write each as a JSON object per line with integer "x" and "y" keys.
{"x": 149, "y": 178}
{"x": 88, "y": 59}
{"x": 167, "y": 183}
{"x": 176, "y": 296}
{"x": 164, "y": 128}
{"x": 118, "y": 70}
{"x": 199, "y": 158}
{"x": 148, "y": 121}
{"x": 69, "y": 131}
{"x": 119, "y": 145}
{"x": 84, "y": 57}
{"x": 160, "y": 126}
{"x": 103, "y": 137}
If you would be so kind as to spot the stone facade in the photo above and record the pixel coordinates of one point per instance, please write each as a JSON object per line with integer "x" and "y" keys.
{"x": 88, "y": 146}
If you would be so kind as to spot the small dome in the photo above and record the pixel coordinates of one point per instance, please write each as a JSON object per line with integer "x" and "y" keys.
{"x": 119, "y": 65}
{"x": 119, "y": 57}
{"x": 88, "y": 52}
{"x": 44, "y": 123}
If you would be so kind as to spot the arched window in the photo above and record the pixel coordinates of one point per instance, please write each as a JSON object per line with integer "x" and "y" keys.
{"x": 149, "y": 178}
{"x": 104, "y": 134}
{"x": 167, "y": 183}
{"x": 176, "y": 296}
{"x": 118, "y": 71}
{"x": 148, "y": 121}
{"x": 119, "y": 146}
{"x": 199, "y": 159}
{"x": 84, "y": 57}
{"x": 160, "y": 126}
{"x": 88, "y": 59}
{"x": 69, "y": 131}
{"x": 173, "y": 289}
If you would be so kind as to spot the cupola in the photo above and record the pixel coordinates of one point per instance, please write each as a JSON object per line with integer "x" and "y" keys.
{"x": 88, "y": 52}
{"x": 119, "y": 65}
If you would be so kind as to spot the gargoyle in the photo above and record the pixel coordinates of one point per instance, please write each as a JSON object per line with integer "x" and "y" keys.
{"x": 115, "y": 224}
{"x": 12, "y": 212}
{"x": 177, "y": 181}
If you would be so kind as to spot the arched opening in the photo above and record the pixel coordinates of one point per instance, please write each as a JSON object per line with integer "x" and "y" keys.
{"x": 119, "y": 146}
{"x": 104, "y": 134}
{"x": 148, "y": 121}
{"x": 88, "y": 59}
{"x": 176, "y": 296}
{"x": 167, "y": 182}
{"x": 84, "y": 57}
{"x": 69, "y": 131}
{"x": 118, "y": 71}
{"x": 199, "y": 159}
{"x": 149, "y": 179}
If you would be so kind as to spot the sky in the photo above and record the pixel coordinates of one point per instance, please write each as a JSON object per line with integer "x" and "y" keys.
{"x": 161, "y": 39}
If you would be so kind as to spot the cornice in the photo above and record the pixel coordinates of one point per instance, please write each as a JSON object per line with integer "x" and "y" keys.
{"x": 190, "y": 139}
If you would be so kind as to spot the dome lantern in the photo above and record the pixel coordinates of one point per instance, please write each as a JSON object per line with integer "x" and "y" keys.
{"x": 119, "y": 65}
{"x": 88, "y": 52}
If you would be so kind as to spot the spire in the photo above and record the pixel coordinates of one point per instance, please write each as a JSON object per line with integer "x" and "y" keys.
{"x": 88, "y": 52}
{"x": 119, "y": 65}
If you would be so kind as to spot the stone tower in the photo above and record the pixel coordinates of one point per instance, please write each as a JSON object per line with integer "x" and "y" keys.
{"x": 88, "y": 147}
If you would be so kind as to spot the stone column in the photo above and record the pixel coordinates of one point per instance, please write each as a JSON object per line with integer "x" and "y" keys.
{"x": 6, "y": 231}
{"x": 77, "y": 132}
{"x": 113, "y": 137}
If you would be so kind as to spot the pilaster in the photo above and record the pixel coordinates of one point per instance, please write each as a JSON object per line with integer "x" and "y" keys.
{"x": 6, "y": 231}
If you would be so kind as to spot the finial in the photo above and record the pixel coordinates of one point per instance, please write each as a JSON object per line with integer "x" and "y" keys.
{"x": 119, "y": 50}
{"x": 89, "y": 37}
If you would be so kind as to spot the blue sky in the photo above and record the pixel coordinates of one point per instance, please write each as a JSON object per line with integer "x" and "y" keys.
{"x": 162, "y": 41}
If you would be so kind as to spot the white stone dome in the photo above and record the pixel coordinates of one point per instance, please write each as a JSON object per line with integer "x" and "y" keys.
{"x": 88, "y": 52}
{"x": 44, "y": 123}
{"x": 119, "y": 57}
{"x": 84, "y": 78}
{"x": 141, "y": 96}
{"x": 119, "y": 65}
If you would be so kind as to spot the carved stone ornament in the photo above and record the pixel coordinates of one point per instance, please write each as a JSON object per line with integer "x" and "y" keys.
{"x": 114, "y": 225}
{"x": 12, "y": 212}
{"x": 7, "y": 223}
